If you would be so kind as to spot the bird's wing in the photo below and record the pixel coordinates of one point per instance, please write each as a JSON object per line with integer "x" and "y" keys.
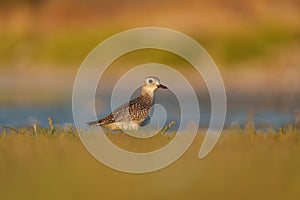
{"x": 139, "y": 110}
{"x": 134, "y": 110}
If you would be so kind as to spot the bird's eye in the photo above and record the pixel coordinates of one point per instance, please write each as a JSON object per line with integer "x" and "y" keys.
{"x": 150, "y": 81}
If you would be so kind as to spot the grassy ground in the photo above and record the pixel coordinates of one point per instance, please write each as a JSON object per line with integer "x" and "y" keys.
{"x": 52, "y": 163}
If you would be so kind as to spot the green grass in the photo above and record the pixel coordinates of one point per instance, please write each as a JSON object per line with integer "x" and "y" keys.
{"x": 51, "y": 163}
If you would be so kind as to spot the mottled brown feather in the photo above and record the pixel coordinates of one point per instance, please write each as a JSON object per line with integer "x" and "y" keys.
{"x": 136, "y": 110}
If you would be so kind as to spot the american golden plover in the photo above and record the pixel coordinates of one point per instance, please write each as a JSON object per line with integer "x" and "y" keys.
{"x": 132, "y": 114}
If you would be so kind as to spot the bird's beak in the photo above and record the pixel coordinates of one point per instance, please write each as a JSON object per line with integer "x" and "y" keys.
{"x": 162, "y": 86}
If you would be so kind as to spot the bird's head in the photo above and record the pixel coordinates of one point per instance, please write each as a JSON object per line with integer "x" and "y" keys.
{"x": 151, "y": 84}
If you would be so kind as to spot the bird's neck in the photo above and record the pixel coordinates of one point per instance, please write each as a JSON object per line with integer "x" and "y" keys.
{"x": 147, "y": 92}
{"x": 147, "y": 96}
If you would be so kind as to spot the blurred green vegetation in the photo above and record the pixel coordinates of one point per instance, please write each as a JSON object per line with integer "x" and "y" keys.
{"x": 64, "y": 46}
{"x": 37, "y": 32}
{"x": 256, "y": 43}
{"x": 72, "y": 46}
{"x": 47, "y": 163}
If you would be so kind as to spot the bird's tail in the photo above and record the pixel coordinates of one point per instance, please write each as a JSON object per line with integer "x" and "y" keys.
{"x": 93, "y": 123}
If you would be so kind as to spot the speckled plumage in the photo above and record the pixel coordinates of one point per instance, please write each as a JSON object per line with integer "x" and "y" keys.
{"x": 132, "y": 114}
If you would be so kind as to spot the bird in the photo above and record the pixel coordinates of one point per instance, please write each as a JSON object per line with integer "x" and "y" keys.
{"x": 131, "y": 115}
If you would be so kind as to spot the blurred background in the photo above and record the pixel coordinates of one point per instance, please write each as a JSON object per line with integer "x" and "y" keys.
{"x": 255, "y": 44}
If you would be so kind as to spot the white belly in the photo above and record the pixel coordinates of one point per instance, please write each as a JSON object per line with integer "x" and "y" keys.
{"x": 123, "y": 126}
